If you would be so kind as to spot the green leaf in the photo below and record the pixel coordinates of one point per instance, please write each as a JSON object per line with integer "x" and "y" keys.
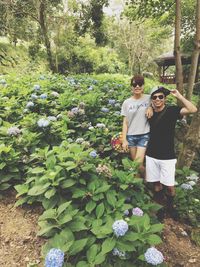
{"x": 100, "y": 210}
{"x": 63, "y": 207}
{"x": 110, "y": 196}
{"x": 108, "y": 245}
{"x": 4, "y": 186}
{"x": 36, "y": 170}
{"x": 78, "y": 193}
{"x": 48, "y": 214}
{"x": 90, "y": 206}
{"x": 68, "y": 183}
{"x": 77, "y": 226}
{"x": 50, "y": 193}
{"x": 64, "y": 218}
{"x": 92, "y": 252}
{"x": 82, "y": 264}
{"x": 125, "y": 246}
{"x": 100, "y": 258}
{"x": 77, "y": 246}
{"x": 21, "y": 189}
{"x": 2, "y": 165}
{"x": 38, "y": 190}
{"x": 102, "y": 189}
{"x": 46, "y": 228}
{"x": 156, "y": 228}
{"x": 51, "y": 162}
{"x": 132, "y": 236}
{"x": 154, "y": 239}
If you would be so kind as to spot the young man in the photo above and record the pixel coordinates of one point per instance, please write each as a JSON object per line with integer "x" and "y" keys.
{"x": 160, "y": 155}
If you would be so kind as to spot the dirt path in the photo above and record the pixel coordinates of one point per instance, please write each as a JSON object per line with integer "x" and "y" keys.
{"x": 20, "y": 246}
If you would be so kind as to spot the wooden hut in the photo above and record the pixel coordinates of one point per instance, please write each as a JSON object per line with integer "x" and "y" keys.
{"x": 167, "y": 60}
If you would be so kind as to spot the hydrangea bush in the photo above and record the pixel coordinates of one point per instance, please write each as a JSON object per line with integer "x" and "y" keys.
{"x": 94, "y": 211}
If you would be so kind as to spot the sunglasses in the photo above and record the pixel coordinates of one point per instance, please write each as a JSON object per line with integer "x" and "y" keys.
{"x": 138, "y": 83}
{"x": 154, "y": 97}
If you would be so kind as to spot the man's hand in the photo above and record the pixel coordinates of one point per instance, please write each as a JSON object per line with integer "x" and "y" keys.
{"x": 149, "y": 112}
{"x": 125, "y": 145}
{"x": 175, "y": 93}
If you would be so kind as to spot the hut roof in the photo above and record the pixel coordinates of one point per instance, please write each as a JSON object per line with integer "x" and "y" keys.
{"x": 168, "y": 59}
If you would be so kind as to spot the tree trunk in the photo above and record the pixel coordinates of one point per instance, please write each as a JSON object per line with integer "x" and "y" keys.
{"x": 191, "y": 141}
{"x": 195, "y": 55}
{"x": 177, "y": 52}
{"x": 45, "y": 35}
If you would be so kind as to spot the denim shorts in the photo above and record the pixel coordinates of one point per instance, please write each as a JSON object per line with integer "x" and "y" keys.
{"x": 140, "y": 140}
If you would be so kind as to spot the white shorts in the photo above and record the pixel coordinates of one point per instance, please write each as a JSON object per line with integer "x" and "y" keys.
{"x": 162, "y": 171}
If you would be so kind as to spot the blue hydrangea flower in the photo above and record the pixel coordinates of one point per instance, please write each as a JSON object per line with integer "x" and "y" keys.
{"x": 43, "y": 123}
{"x": 186, "y": 187}
{"x": 120, "y": 227}
{"x": 3, "y": 81}
{"x": 100, "y": 125}
{"x": 137, "y": 212}
{"x": 54, "y": 258}
{"x": 111, "y": 101}
{"x": 106, "y": 110}
{"x": 42, "y": 77}
{"x": 153, "y": 256}
{"x": 75, "y": 110}
{"x": 43, "y": 96}
{"x": 90, "y": 88}
{"x": 117, "y": 252}
{"x": 29, "y": 104}
{"x": 117, "y": 105}
{"x": 55, "y": 94}
{"x": 36, "y": 87}
{"x": 126, "y": 212}
{"x": 34, "y": 96}
{"x": 192, "y": 177}
{"x": 52, "y": 118}
{"x": 93, "y": 154}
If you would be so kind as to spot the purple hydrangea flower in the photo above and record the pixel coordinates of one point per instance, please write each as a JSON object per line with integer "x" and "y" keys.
{"x": 186, "y": 187}
{"x": 120, "y": 227}
{"x": 54, "y": 258}
{"x": 36, "y": 87}
{"x": 137, "y": 212}
{"x": 153, "y": 256}
{"x": 13, "y": 131}
{"x": 29, "y": 104}
{"x": 105, "y": 110}
{"x": 93, "y": 154}
{"x": 43, "y": 123}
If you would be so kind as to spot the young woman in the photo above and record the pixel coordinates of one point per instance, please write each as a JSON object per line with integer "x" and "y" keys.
{"x": 136, "y": 110}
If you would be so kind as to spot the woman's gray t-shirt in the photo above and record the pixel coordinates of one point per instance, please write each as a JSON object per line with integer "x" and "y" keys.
{"x": 134, "y": 110}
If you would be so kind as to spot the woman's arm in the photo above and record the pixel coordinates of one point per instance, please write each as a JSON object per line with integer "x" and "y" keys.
{"x": 124, "y": 133}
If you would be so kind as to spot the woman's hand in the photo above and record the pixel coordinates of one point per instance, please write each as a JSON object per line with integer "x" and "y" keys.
{"x": 149, "y": 112}
{"x": 125, "y": 145}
